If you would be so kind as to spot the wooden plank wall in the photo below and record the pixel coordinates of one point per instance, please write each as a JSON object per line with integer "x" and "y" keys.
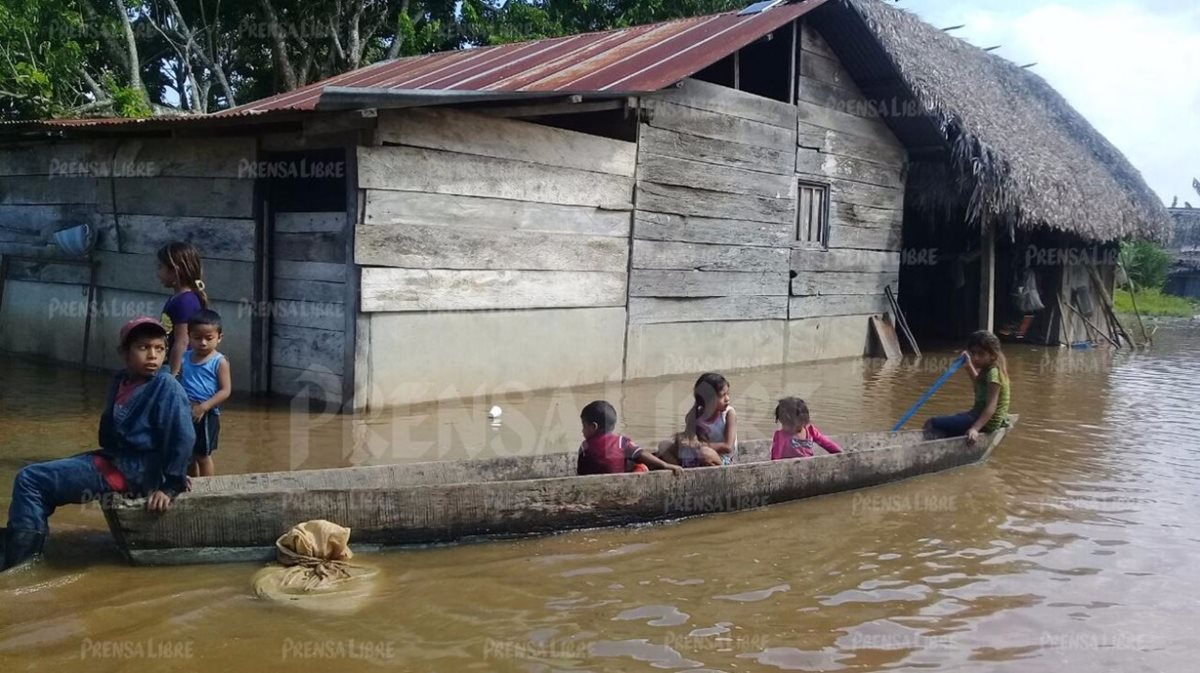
{"x": 842, "y": 142}
{"x": 715, "y": 207}
{"x": 138, "y": 194}
{"x": 467, "y": 212}
{"x": 308, "y": 311}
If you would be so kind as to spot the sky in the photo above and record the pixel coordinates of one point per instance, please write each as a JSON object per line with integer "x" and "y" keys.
{"x": 1131, "y": 68}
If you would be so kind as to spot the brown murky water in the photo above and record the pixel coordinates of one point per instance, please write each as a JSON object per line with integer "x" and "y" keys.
{"x": 1074, "y": 547}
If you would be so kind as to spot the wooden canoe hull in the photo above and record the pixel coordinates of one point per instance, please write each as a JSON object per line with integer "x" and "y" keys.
{"x": 239, "y": 517}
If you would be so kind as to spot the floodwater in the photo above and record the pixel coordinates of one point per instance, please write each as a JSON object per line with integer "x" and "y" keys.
{"x": 1075, "y": 547}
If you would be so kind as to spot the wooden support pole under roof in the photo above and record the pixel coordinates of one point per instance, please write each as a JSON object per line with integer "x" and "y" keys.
{"x": 987, "y": 276}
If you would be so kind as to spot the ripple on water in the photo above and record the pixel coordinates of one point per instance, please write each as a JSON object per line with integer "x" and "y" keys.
{"x": 753, "y": 596}
{"x": 657, "y": 615}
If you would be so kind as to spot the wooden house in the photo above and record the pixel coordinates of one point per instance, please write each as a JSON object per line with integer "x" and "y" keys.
{"x": 725, "y": 191}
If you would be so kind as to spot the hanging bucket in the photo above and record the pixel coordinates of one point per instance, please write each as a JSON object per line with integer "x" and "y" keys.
{"x": 75, "y": 241}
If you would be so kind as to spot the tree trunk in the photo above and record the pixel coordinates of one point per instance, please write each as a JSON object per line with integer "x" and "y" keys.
{"x": 278, "y": 46}
{"x": 134, "y": 62}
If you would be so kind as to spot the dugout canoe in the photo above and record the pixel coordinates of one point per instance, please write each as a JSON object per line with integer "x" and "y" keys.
{"x": 232, "y": 518}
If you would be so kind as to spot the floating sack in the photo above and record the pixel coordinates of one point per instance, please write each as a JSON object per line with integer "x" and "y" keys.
{"x": 314, "y": 569}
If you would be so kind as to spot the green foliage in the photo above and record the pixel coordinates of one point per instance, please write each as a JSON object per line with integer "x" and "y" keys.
{"x": 48, "y": 48}
{"x": 1146, "y": 263}
{"x": 1155, "y": 303}
{"x": 127, "y": 101}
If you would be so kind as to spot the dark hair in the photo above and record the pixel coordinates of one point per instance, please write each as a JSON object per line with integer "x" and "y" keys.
{"x": 707, "y": 387}
{"x": 205, "y": 316}
{"x": 987, "y": 342}
{"x": 601, "y": 413}
{"x": 184, "y": 261}
{"x": 792, "y": 411}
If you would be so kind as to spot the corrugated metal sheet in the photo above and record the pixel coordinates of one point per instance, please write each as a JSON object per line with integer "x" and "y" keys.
{"x": 638, "y": 59}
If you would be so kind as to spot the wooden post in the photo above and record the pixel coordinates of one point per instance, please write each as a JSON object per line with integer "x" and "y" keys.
{"x": 987, "y": 276}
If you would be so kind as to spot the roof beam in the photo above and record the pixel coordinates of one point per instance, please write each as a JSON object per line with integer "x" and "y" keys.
{"x": 546, "y": 109}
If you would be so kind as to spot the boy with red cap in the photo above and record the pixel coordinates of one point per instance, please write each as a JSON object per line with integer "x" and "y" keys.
{"x": 146, "y": 440}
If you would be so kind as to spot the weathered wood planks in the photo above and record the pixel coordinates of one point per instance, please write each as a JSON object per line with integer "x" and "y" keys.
{"x": 486, "y": 136}
{"x": 295, "y": 223}
{"x": 215, "y": 237}
{"x": 701, "y": 257}
{"x": 423, "y": 170}
{"x": 454, "y": 290}
{"x": 228, "y": 280}
{"x": 713, "y": 177}
{"x": 305, "y": 347}
{"x": 699, "y": 202}
{"x": 651, "y": 310}
{"x": 729, "y": 102}
{"x": 425, "y": 247}
{"x": 185, "y": 197}
{"x": 682, "y": 283}
{"x": 697, "y": 122}
{"x": 818, "y": 164}
{"x": 831, "y": 141}
{"x": 863, "y": 261}
{"x": 682, "y": 145}
{"x": 482, "y": 213}
{"x": 864, "y": 238}
{"x": 838, "y": 282}
{"x": 651, "y": 226}
{"x": 815, "y": 306}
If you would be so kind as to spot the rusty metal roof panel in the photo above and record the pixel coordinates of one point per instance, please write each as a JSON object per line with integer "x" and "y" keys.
{"x": 637, "y": 59}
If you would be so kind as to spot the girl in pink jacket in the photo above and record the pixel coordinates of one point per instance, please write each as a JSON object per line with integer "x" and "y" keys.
{"x": 797, "y": 436}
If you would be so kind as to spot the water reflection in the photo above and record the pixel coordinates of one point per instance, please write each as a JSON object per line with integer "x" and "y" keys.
{"x": 1073, "y": 547}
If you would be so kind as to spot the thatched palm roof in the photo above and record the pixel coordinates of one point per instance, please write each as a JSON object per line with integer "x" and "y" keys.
{"x": 1028, "y": 157}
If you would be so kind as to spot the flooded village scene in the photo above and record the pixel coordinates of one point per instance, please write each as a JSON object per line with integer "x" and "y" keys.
{"x": 511, "y": 335}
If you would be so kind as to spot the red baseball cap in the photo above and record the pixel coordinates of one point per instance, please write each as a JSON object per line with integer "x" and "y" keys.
{"x": 138, "y": 322}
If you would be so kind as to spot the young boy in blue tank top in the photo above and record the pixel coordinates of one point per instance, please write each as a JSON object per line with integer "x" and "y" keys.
{"x": 206, "y": 380}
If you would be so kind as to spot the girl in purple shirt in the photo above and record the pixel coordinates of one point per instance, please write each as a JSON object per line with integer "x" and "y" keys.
{"x": 179, "y": 269}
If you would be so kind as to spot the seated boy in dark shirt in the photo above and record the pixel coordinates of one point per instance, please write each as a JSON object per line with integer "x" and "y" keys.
{"x": 146, "y": 440}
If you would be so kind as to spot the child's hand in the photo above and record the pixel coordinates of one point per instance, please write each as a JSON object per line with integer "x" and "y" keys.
{"x": 198, "y": 412}
{"x": 972, "y": 436}
{"x": 675, "y": 469}
{"x": 158, "y": 502}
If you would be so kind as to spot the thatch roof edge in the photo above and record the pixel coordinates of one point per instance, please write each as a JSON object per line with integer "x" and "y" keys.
{"x": 1032, "y": 159}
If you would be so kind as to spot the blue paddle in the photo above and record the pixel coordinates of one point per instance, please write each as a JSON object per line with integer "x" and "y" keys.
{"x": 958, "y": 362}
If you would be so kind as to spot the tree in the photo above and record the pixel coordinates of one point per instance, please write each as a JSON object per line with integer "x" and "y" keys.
{"x": 142, "y": 57}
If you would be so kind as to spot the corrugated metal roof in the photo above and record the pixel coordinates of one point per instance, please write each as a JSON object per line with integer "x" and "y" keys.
{"x": 637, "y": 59}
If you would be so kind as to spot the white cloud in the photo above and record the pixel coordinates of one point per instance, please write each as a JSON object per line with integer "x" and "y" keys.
{"x": 1132, "y": 70}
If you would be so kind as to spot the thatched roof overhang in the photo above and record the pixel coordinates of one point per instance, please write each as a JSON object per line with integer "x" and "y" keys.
{"x": 986, "y": 135}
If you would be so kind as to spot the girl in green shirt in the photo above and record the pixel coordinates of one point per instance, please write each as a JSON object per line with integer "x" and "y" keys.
{"x": 989, "y": 371}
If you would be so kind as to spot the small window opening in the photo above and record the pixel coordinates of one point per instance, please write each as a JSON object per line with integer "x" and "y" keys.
{"x": 812, "y": 214}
